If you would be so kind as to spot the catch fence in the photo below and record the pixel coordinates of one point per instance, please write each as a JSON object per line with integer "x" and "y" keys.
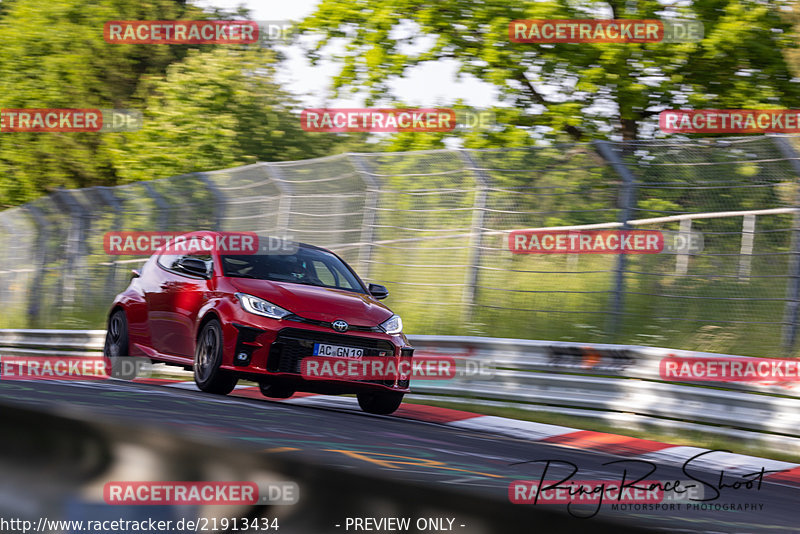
{"x": 433, "y": 227}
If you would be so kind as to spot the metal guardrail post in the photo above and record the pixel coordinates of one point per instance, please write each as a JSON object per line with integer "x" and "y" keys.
{"x": 627, "y": 203}
{"x": 476, "y": 231}
{"x": 791, "y": 313}
{"x": 371, "y": 195}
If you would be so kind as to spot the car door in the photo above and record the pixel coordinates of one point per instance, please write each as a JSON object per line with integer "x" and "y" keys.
{"x": 173, "y": 306}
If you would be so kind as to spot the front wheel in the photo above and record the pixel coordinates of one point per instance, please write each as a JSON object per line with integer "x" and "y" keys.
{"x": 207, "y": 360}
{"x": 380, "y": 403}
{"x": 116, "y": 344}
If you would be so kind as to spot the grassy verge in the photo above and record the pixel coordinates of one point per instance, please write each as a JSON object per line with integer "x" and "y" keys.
{"x": 690, "y": 438}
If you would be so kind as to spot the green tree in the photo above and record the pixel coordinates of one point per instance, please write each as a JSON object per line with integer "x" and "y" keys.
{"x": 566, "y": 91}
{"x": 214, "y": 110}
{"x": 54, "y": 56}
{"x": 205, "y": 107}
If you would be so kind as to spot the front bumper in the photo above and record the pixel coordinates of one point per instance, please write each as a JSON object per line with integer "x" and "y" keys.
{"x": 259, "y": 353}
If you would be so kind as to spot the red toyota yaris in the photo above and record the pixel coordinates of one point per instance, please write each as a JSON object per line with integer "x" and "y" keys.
{"x": 256, "y": 316}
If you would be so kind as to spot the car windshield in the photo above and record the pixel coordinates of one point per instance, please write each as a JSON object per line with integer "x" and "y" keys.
{"x": 305, "y": 266}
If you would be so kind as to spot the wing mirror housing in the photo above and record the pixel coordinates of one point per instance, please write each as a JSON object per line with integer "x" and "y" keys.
{"x": 378, "y": 291}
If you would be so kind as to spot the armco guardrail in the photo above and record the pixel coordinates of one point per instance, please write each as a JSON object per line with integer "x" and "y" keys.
{"x": 616, "y": 383}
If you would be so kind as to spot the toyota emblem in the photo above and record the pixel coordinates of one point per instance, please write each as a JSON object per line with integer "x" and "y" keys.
{"x": 339, "y": 325}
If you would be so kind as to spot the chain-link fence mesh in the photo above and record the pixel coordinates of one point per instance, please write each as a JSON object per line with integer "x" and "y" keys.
{"x": 433, "y": 227}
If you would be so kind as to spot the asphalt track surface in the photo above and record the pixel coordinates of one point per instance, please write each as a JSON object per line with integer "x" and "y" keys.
{"x": 397, "y": 448}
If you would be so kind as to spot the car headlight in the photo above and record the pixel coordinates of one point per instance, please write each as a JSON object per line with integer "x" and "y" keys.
{"x": 261, "y": 307}
{"x": 392, "y": 325}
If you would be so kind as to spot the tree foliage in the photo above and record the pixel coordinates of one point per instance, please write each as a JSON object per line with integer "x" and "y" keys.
{"x": 567, "y": 91}
{"x": 54, "y": 56}
{"x": 214, "y": 110}
{"x": 205, "y": 107}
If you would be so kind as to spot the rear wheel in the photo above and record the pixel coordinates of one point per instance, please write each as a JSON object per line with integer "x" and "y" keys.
{"x": 274, "y": 391}
{"x": 116, "y": 345}
{"x": 207, "y": 360}
{"x": 381, "y": 403}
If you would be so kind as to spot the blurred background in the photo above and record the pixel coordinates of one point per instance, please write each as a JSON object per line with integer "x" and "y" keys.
{"x": 576, "y": 142}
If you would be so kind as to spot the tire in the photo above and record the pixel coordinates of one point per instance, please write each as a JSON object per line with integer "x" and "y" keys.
{"x": 116, "y": 344}
{"x": 207, "y": 359}
{"x": 274, "y": 391}
{"x": 379, "y": 403}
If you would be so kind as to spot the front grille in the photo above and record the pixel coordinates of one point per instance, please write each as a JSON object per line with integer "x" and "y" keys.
{"x": 293, "y": 344}
{"x": 326, "y": 324}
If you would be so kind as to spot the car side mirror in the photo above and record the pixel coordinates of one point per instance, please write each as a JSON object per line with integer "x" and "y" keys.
{"x": 194, "y": 266}
{"x": 378, "y": 291}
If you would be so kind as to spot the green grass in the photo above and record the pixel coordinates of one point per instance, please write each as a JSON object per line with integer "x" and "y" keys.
{"x": 576, "y": 306}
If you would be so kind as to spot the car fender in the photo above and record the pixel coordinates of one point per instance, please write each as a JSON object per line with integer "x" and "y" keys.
{"x": 224, "y": 310}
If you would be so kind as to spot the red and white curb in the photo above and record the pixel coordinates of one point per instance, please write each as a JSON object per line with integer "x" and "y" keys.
{"x": 642, "y": 449}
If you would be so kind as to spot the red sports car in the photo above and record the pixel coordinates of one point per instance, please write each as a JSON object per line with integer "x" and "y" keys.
{"x": 257, "y": 316}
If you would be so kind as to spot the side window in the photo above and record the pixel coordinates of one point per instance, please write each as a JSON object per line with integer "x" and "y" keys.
{"x": 324, "y": 274}
{"x": 330, "y": 275}
{"x": 203, "y": 257}
{"x": 169, "y": 261}
{"x": 343, "y": 281}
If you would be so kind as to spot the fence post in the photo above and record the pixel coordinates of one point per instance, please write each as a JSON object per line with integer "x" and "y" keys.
{"x": 627, "y": 202}
{"x": 161, "y": 206}
{"x": 371, "y": 193}
{"x": 42, "y": 239}
{"x": 746, "y": 250}
{"x": 682, "y": 258}
{"x": 76, "y": 241}
{"x": 106, "y": 195}
{"x": 219, "y": 199}
{"x": 476, "y": 231}
{"x": 790, "y": 313}
{"x": 285, "y": 202}
{"x": 7, "y": 277}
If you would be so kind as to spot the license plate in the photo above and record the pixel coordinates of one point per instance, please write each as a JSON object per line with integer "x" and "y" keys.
{"x": 337, "y": 351}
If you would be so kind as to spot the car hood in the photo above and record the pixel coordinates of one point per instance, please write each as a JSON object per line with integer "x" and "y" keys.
{"x": 317, "y": 303}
